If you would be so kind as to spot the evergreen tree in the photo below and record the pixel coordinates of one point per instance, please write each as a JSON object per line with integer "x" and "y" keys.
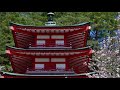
{"x": 99, "y": 21}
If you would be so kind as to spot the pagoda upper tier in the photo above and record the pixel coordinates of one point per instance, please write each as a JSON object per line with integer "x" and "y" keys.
{"x": 74, "y": 36}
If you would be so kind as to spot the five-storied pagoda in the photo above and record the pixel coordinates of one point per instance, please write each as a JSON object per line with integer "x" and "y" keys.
{"x": 49, "y": 51}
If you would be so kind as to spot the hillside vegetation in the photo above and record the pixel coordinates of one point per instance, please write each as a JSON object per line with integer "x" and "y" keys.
{"x": 99, "y": 21}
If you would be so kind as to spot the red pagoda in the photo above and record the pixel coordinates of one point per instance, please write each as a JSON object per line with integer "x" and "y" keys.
{"x": 49, "y": 51}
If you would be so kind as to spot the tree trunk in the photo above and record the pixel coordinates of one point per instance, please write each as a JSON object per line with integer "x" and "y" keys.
{"x": 96, "y": 35}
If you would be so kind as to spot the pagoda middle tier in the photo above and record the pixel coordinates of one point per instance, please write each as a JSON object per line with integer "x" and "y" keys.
{"x": 49, "y": 59}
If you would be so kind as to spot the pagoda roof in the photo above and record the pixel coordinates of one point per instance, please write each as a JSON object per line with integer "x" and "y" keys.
{"x": 80, "y": 24}
{"x": 29, "y": 75}
{"x": 48, "y": 52}
{"x": 47, "y": 48}
{"x": 49, "y": 29}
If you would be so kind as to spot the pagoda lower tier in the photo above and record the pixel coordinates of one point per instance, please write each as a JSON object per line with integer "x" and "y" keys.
{"x": 49, "y": 61}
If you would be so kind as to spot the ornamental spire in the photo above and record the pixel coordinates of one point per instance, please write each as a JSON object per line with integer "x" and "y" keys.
{"x": 50, "y": 16}
{"x": 50, "y": 21}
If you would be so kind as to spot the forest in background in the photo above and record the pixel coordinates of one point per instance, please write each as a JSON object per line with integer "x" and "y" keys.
{"x": 99, "y": 21}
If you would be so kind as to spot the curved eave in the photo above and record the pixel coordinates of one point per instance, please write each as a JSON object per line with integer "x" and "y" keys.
{"x": 81, "y": 24}
{"x": 38, "y": 49}
{"x": 28, "y": 75}
{"x": 46, "y": 52}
